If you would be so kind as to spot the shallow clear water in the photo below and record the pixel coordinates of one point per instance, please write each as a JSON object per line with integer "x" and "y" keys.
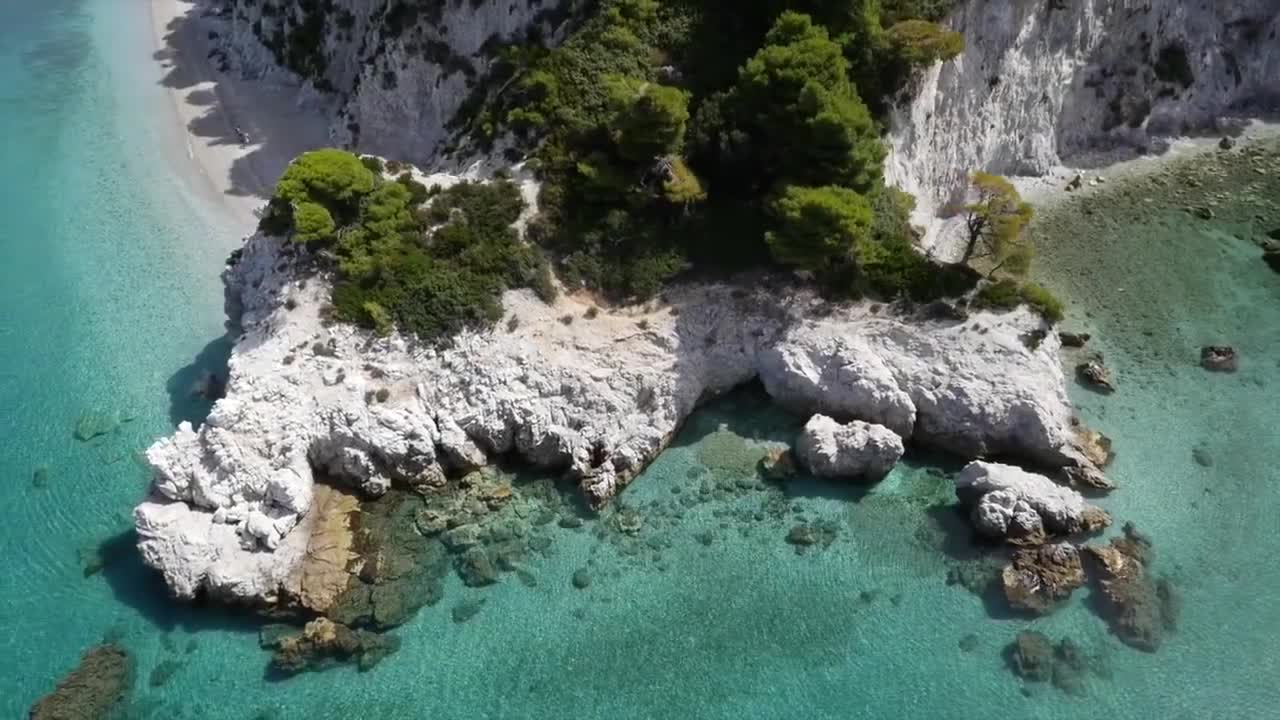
{"x": 109, "y": 293}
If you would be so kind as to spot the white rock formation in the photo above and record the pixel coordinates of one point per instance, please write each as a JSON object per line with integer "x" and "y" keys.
{"x": 1008, "y": 500}
{"x": 598, "y": 398}
{"x": 1046, "y": 83}
{"x": 391, "y": 74}
{"x": 830, "y": 449}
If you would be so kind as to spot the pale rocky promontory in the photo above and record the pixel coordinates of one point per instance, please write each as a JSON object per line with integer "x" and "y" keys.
{"x": 233, "y": 503}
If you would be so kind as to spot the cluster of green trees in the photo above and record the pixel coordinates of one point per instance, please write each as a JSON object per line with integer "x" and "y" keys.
{"x": 430, "y": 268}
{"x": 715, "y": 134}
{"x": 670, "y": 135}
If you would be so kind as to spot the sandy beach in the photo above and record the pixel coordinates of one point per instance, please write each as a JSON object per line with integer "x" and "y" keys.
{"x": 210, "y": 105}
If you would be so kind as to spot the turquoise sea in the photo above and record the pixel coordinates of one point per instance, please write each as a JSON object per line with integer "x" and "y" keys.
{"x": 110, "y": 304}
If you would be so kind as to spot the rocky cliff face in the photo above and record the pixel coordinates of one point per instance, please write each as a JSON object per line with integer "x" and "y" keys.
{"x": 596, "y": 394}
{"x": 397, "y": 70}
{"x": 1074, "y": 81}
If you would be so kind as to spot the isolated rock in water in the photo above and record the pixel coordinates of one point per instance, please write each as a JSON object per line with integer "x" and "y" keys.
{"x": 323, "y": 642}
{"x": 778, "y": 464}
{"x": 1030, "y": 656}
{"x": 1226, "y": 143}
{"x": 1095, "y": 374}
{"x": 95, "y": 424}
{"x": 1039, "y": 578}
{"x": 1139, "y": 610}
{"x": 90, "y": 691}
{"x": 1219, "y": 358}
{"x": 849, "y": 450}
{"x": 1002, "y": 496}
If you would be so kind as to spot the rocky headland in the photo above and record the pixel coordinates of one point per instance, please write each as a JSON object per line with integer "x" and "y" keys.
{"x": 234, "y": 504}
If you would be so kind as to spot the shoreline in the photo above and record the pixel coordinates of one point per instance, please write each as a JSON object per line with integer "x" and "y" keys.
{"x": 209, "y": 105}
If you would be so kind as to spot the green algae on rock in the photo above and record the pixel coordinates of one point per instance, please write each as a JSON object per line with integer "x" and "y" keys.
{"x": 91, "y": 690}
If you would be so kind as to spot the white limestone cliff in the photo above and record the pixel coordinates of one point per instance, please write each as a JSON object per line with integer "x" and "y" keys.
{"x": 1078, "y": 82}
{"x": 598, "y": 398}
{"x": 389, "y": 75}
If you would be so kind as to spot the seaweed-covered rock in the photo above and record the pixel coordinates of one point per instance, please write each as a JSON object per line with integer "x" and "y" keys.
{"x": 1139, "y": 610}
{"x": 1037, "y": 579}
{"x": 1030, "y": 656}
{"x": 91, "y": 690}
{"x": 1219, "y": 358}
{"x": 848, "y": 450}
{"x": 323, "y": 643}
{"x": 476, "y": 568}
{"x": 1033, "y": 657}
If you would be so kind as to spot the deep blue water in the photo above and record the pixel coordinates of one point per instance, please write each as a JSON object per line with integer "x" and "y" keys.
{"x": 109, "y": 293}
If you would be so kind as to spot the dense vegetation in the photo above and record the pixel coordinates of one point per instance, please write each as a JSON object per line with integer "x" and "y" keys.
{"x": 670, "y": 136}
{"x": 715, "y": 134}
{"x": 430, "y": 268}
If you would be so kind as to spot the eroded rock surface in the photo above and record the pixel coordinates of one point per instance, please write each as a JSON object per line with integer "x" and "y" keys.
{"x": 1012, "y": 504}
{"x": 231, "y": 510}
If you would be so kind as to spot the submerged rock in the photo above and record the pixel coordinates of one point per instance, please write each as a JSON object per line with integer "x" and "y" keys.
{"x": 1219, "y": 358}
{"x": 1040, "y": 578}
{"x": 1031, "y": 656}
{"x": 91, "y": 690}
{"x": 848, "y": 450}
{"x": 1139, "y": 610}
{"x": 323, "y": 643}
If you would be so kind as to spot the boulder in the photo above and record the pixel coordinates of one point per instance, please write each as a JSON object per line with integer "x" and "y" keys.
{"x": 1038, "y": 579}
{"x": 1219, "y": 358}
{"x": 91, "y": 690}
{"x": 1095, "y": 374}
{"x": 1004, "y": 498}
{"x": 830, "y": 449}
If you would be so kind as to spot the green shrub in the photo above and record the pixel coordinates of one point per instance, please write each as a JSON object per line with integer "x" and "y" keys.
{"x": 374, "y": 164}
{"x": 1008, "y": 294}
{"x": 429, "y": 278}
{"x": 1040, "y": 299}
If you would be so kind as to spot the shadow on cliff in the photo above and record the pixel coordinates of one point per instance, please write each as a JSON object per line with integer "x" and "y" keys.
{"x": 194, "y": 388}
{"x": 138, "y": 586}
{"x": 277, "y": 129}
